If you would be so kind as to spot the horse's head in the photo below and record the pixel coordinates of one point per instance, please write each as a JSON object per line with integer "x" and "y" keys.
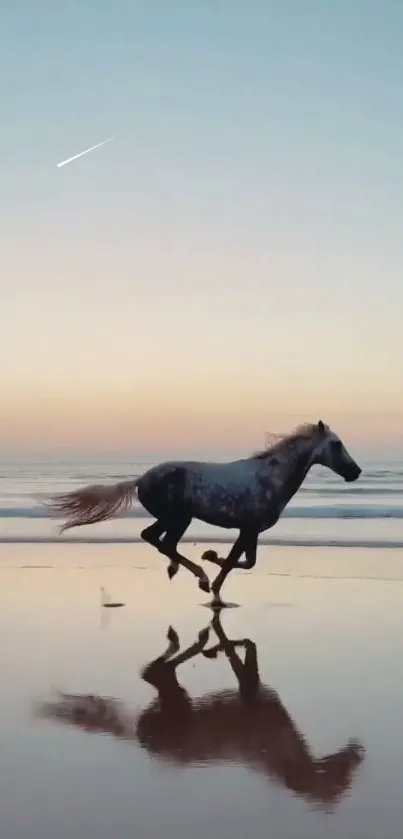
{"x": 334, "y": 774}
{"x": 330, "y": 452}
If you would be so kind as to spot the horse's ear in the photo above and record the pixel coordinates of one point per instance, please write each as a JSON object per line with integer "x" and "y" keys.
{"x": 321, "y": 426}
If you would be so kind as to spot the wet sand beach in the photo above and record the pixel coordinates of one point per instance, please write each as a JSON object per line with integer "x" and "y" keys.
{"x": 233, "y": 756}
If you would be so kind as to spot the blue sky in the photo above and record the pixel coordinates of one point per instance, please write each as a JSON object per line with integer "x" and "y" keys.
{"x": 232, "y": 261}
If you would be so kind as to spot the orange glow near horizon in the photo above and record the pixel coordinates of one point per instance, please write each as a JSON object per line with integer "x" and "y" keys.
{"x": 193, "y": 418}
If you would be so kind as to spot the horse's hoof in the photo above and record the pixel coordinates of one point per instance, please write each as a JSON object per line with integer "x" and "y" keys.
{"x": 210, "y": 555}
{"x": 172, "y": 570}
{"x": 217, "y": 603}
{"x": 204, "y": 584}
{"x": 210, "y": 653}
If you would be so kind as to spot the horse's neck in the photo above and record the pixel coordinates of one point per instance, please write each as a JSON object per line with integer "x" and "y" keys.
{"x": 296, "y": 470}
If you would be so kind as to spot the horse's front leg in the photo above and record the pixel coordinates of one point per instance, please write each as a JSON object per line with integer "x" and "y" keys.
{"x": 212, "y": 556}
{"x": 247, "y": 544}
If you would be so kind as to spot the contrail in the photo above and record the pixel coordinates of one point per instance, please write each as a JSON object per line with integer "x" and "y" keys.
{"x": 69, "y": 159}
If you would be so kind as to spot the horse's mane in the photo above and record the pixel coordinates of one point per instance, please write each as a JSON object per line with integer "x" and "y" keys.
{"x": 279, "y": 442}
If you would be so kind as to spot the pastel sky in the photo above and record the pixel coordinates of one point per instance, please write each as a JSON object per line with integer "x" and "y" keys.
{"x": 232, "y": 262}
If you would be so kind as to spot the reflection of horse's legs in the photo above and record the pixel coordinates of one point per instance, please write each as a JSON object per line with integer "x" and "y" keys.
{"x": 247, "y": 672}
{"x": 192, "y": 650}
{"x": 151, "y": 672}
{"x": 168, "y": 546}
{"x": 173, "y": 645}
{"x": 161, "y": 672}
{"x": 247, "y": 544}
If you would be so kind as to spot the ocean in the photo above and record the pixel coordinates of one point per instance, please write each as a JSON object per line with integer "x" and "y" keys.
{"x": 325, "y": 512}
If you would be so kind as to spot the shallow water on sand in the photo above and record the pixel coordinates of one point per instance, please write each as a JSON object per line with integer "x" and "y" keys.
{"x": 109, "y": 761}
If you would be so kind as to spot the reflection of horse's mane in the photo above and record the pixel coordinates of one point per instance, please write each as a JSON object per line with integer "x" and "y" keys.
{"x": 248, "y": 726}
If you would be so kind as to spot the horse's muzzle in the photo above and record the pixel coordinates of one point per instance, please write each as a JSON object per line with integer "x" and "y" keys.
{"x": 352, "y": 474}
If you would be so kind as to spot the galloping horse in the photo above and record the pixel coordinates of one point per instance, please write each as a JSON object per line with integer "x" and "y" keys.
{"x": 248, "y": 494}
{"x": 249, "y": 726}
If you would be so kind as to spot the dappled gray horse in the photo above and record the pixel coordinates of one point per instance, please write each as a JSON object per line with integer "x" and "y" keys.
{"x": 249, "y": 726}
{"x": 249, "y": 495}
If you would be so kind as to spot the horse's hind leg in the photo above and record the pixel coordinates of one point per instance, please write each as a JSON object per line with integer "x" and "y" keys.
{"x": 168, "y": 547}
{"x": 161, "y": 672}
{"x": 152, "y": 535}
{"x": 164, "y": 497}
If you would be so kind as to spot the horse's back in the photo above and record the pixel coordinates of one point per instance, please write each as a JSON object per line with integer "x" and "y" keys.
{"x": 227, "y": 495}
{"x": 209, "y": 490}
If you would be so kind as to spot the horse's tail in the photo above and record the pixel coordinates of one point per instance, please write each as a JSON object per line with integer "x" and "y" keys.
{"x": 92, "y": 503}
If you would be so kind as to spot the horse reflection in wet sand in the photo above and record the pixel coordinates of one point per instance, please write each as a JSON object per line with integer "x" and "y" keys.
{"x": 249, "y": 726}
{"x": 248, "y": 495}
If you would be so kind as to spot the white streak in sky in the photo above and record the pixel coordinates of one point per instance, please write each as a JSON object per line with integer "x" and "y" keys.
{"x": 69, "y": 159}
